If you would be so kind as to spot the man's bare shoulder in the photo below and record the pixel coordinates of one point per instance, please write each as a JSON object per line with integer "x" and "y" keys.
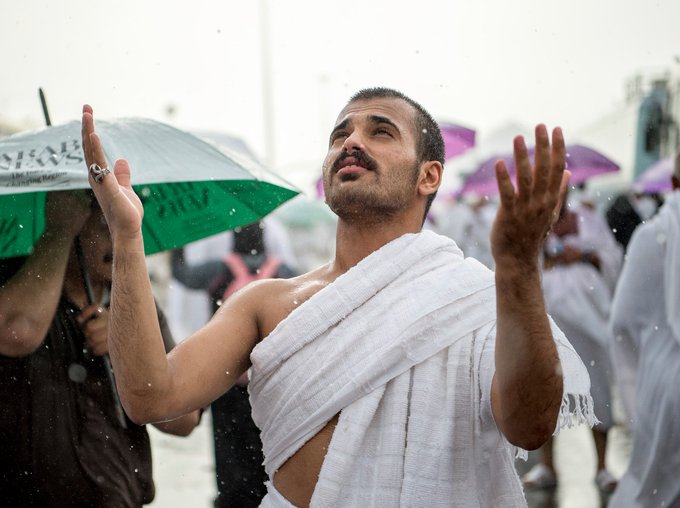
{"x": 274, "y": 299}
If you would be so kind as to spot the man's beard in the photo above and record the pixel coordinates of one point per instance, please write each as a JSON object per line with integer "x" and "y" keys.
{"x": 367, "y": 204}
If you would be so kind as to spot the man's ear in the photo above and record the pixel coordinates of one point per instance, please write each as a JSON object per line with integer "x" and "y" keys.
{"x": 430, "y": 177}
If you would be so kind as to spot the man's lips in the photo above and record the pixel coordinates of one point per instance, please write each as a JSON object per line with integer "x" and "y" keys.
{"x": 351, "y": 169}
{"x": 351, "y": 165}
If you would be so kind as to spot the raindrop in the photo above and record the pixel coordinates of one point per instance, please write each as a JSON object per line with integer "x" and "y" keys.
{"x": 21, "y": 226}
{"x": 654, "y": 492}
{"x": 592, "y": 363}
{"x": 219, "y": 302}
{"x": 253, "y": 252}
{"x": 656, "y": 328}
{"x": 148, "y": 384}
{"x": 136, "y": 470}
{"x": 614, "y": 230}
{"x": 295, "y": 302}
{"x": 257, "y": 271}
{"x": 424, "y": 131}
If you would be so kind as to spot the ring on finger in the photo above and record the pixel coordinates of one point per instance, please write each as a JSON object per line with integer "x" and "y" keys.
{"x": 98, "y": 173}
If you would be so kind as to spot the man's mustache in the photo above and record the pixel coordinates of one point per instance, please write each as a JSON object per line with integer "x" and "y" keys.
{"x": 362, "y": 159}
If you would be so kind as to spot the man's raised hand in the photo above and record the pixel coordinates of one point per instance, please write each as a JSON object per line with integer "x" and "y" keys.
{"x": 525, "y": 215}
{"x": 121, "y": 206}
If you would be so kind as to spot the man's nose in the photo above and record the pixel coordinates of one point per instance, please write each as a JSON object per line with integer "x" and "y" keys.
{"x": 354, "y": 141}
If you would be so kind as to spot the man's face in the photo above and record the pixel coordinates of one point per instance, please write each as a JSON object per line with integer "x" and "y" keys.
{"x": 372, "y": 166}
{"x": 97, "y": 247}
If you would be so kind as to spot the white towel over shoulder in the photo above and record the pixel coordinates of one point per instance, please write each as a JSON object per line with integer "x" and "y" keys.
{"x": 402, "y": 347}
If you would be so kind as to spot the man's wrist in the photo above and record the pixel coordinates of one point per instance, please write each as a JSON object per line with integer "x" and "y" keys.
{"x": 128, "y": 244}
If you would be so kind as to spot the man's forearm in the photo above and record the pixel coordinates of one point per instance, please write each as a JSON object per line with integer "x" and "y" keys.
{"x": 28, "y": 301}
{"x": 135, "y": 342}
{"x": 528, "y": 375}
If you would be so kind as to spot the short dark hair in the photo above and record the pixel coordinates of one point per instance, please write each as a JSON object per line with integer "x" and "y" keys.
{"x": 430, "y": 144}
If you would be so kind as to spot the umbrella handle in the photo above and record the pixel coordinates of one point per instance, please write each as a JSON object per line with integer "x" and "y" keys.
{"x": 118, "y": 407}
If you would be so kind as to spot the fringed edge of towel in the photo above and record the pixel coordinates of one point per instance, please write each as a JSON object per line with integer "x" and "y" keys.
{"x": 581, "y": 412}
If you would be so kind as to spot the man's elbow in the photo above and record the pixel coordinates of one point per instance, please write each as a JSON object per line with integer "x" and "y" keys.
{"x": 530, "y": 432}
{"x": 531, "y": 439}
{"x": 140, "y": 410}
{"x": 19, "y": 339}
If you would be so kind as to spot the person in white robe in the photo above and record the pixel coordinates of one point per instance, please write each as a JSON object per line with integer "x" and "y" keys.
{"x": 397, "y": 374}
{"x": 645, "y": 326}
{"x": 469, "y": 223}
{"x": 582, "y": 262}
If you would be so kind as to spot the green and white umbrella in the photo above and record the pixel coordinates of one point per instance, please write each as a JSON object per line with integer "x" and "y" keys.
{"x": 190, "y": 188}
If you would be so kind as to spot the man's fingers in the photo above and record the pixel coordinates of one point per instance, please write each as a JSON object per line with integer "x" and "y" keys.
{"x": 541, "y": 160}
{"x": 566, "y": 175}
{"x": 505, "y": 188}
{"x": 523, "y": 168}
{"x": 92, "y": 311}
{"x": 122, "y": 171}
{"x": 558, "y": 159}
{"x": 100, "y": 175}
{"x": 87, "y": 128}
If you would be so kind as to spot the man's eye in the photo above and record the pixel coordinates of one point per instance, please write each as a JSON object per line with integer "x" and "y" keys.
{"x": 383, "y": 132}
{"x": 339, "y": 135}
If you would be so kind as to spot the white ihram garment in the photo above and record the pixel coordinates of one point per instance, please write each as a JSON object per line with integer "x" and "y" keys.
{"x": 646, "y": 350}
{"x": 402, "y": 346}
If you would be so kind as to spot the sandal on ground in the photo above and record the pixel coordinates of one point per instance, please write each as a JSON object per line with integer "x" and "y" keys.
{"x": 539, "y": 477}
{"x": 605, "y": 481}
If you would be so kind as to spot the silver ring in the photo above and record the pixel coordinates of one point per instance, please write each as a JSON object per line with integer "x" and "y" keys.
{"x": 98, "y": 173}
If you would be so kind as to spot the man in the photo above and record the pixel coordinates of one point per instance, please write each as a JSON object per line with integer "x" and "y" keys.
{"x": 581, "y": 265}
{"x": 645, "y": 325}
{"x": 373, "y": 378}
{"x": 62, "y": 440}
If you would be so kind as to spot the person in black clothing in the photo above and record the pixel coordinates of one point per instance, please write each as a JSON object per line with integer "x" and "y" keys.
{"x": 62, "y": 440}
{"x": 239, "y": 472}
{"x": 628, "y": 211}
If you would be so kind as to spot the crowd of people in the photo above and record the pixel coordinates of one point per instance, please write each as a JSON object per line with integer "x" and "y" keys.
{"x": 408, "y": 362}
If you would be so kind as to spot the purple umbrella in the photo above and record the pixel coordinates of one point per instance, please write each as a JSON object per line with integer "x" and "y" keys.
{"x": 457, "y": 139}
{"x": 656, "y": 178}
{"x": 583, "y": 162}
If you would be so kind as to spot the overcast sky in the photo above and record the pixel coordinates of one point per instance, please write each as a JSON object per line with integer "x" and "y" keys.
{"x": 479, "y": 63}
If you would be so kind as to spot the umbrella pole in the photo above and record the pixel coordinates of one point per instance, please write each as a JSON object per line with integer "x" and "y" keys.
{"x": 118, "y": 407}
{"x": 43, "y": 101}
